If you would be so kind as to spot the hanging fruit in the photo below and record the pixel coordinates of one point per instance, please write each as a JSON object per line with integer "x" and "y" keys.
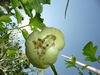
{"x": 43, "y": 47}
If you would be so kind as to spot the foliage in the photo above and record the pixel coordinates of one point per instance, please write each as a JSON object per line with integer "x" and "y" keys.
{"x": 13, "y": 61}
{"x": 89, "y": 51}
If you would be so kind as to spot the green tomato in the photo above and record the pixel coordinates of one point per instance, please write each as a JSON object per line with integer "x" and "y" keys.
{"x": 43, "y": 47}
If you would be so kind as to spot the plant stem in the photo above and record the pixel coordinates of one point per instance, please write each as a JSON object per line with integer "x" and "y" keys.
{"x": 98, "y": 61}
{"x": 15, "y": 28}
{"x": 78, "y": 70}
{"x": 88, "y": 67}
{"x": 54, "y": 69}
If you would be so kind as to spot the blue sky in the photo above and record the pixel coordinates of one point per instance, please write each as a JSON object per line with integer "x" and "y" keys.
{"x": 82, "y": 24}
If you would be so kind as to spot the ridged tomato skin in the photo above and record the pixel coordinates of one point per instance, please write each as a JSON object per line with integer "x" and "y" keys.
{"x": 43, "y": 47}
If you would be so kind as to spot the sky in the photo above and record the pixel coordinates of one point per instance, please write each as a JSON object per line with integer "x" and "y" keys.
{"x": 81, "y": 25}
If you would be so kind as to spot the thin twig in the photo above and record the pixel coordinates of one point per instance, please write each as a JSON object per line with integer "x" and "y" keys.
{"x": 66, "y": 8}
{"x": 18, "y": 27}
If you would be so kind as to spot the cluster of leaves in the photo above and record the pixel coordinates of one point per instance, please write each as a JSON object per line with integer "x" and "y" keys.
{"x": 13, "y": 7}
{"x": 12, "y": 60}
{"x": 89, "y": 51}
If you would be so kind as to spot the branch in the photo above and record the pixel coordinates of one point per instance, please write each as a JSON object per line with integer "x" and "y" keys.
{"x": 17, "y": 28}
{"x": 81, "y": 64}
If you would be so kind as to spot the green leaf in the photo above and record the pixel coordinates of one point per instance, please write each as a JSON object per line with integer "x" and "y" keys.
{"x": 54, "y": 69}
{"x": 1, "y": 13}
{"x": 1, "y": 26}
{"x": 25, "y": 33}
{"x": 6, "y": 7}
{"x": 99, "y": 57}
{"x": 37, "y": 22}
{"x": 4, "y": 50}
{"x": 1, "y": 44}
{"x": 92, "y": 59}
{"x": 84, "y": 67}
{"x": 6, "y": 37}
{"x": 37, "y": 5}
{"x": 90, "y": 52}
{"x": 18, "y": 16}
{"x": 15, "y": 3}
{"x": 45, "y": 1}
{"x": 11, "y": 52}
{"x": 71, "y": 63}
{"x": 90, "y": 73}
{"x": 5, "y": 18}
{"x": 27, "y": 7}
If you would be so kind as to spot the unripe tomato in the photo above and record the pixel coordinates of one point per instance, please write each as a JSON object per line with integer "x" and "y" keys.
{"x": 43, "y": 47}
